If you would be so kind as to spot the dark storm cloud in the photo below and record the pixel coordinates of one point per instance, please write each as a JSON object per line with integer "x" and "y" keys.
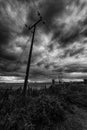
{"x": 10, "y": 26}
{"x": 37, "y": 73}
{"x": 4, "y": 34}
{"x": 50, "y": 9}
{"x": 4, "y": 54}
{"x": 6, "y": 66}
{"x": 63, "y": 33}
{"x": 75, "y": 68}
{"x": 75, "y": 52}
{"x": 72, "y": 68}
{"x": 69, "y": 38}
{"x": 40, "y": 74}
{"x": 72, "y": 24}
{"x": 61, "y": 39}
{"x": 72, "y": 52}
{"x": 40, "y": 63}
{"x": 50, "y": 47}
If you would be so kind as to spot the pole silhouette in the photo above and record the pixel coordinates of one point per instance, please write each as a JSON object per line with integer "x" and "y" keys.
{"x": 30, "y": 54}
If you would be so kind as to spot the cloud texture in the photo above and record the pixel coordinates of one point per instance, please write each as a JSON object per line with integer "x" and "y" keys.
{"x": 60, "y": 46}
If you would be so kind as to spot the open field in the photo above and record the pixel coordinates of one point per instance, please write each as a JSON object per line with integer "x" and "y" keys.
{"x": 18, "y": 85}
{"x": 59, "y": 107}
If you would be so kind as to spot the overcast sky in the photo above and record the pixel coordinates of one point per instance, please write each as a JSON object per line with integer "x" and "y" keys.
{"x": 60, "y": 46}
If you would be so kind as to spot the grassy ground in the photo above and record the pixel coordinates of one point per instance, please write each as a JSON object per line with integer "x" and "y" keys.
{"x": 63, "y": 107}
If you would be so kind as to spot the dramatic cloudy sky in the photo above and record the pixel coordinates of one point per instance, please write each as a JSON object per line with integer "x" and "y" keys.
{"x": 60, "y": 46}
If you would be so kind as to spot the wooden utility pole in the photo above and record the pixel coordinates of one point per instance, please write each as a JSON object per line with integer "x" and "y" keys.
{"x": 30, "y": 54}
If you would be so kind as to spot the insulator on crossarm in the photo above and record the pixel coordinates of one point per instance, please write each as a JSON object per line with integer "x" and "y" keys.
{"x": 38, "y": 13}
{"x": 26, "y": 25}
{"x": 43, "y": 22}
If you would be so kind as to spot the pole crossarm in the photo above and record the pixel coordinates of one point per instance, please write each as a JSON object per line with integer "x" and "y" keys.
{"x": 32, "y": 26}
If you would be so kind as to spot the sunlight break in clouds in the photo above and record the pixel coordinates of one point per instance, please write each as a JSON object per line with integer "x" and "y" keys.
{"x": 11, "y": 79}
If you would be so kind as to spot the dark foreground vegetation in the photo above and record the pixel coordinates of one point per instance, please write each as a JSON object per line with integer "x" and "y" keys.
{"x": 54, "y": 108}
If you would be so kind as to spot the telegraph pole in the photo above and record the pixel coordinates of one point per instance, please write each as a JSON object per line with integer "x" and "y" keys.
{"x": 30, "y": 54}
